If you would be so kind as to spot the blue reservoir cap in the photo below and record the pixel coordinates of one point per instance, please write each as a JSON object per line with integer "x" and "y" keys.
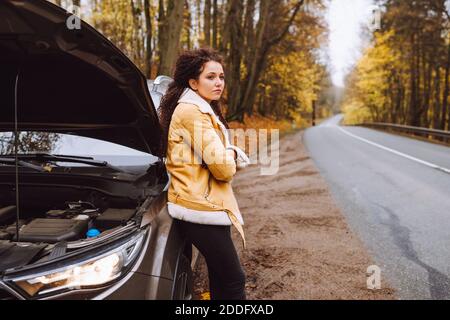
{"x": 92, "y": 233}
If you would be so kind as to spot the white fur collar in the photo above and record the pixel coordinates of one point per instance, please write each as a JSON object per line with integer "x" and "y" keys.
{"x": 190, "y": 96}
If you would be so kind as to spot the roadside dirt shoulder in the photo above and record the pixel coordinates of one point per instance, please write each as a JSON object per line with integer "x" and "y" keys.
{"x": 299, "y": 244}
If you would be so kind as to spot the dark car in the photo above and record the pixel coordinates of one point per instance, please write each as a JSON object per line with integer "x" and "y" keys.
{"x": 83, "y": 211}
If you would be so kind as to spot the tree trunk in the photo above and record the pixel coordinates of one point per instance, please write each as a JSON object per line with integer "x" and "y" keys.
{"x": 428, "y": 73}
{"x": 188, "y": 25}
{"x": 207, "y": 23}
{"x": 262, "y": 48}
{"x": 198, "y": 5}
{"x": 437, "y": 99}
{"x": 398, "y": 102}
{"x": 148, "y": 39}
{"x": 136, "y": 41}
{"x": 446, "y": 92}
{"x": 249, "y": 32}
{"x": 236, "y": 104}
{"x": 215, "y": 30}
{"x": 225, "y": 36}
{"x": 234, "y": 23}
{"x": 392, "y": 97}
{"x": 169, "y": 35}
{"x": 413, "y": 75}
{"x": 161, "y": 37}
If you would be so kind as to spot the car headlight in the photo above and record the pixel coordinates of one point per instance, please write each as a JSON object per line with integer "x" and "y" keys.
{"x": 90, "y": 273}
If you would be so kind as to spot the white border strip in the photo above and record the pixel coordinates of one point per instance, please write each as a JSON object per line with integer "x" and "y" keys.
{"x": 428, "y": 164}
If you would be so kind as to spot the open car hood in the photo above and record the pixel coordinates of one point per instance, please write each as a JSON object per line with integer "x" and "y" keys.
{"x": 70, "y": 81}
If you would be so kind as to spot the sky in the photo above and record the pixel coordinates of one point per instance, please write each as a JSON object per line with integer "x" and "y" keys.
{"x": 346, "y": 20}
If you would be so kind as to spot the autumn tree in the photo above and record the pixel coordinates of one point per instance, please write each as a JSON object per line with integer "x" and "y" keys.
{"x": 293, "y": 77}
{"x": 403, "y": 77}
{"x": 268, "y": 45}
{"x": 272, "y": 26}
{"x": 169, "y": 30}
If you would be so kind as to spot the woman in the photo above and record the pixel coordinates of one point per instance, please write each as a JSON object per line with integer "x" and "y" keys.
{"x": 201, "y": 163}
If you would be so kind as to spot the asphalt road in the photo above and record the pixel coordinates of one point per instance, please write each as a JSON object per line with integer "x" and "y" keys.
{"x": 395, "y": 194}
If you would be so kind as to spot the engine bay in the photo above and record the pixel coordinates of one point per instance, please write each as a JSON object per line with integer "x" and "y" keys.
{"x": 75, "y": 221}
{"x": 47, "y": 235}
{"x": 60, "y": 214}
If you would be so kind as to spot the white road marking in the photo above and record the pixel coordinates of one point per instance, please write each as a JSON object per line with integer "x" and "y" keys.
{"x": 428, "y": 164}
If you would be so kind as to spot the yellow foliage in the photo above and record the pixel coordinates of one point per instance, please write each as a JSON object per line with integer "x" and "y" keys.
{"x": 294, "y": 81}
{"x": 115, "y": 20}
{"x": 294, "y": 75}
{"x": 205, "y": 296}
{"x": 260, "y": 122}
{"x": 355, "y": 113}
{"x": 366, "y": 98}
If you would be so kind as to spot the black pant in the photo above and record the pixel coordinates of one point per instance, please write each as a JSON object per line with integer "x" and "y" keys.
{"x": 226, "y": 277}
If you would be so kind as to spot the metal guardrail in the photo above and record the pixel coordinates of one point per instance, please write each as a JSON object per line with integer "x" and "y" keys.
{"x": 433, "y": 133}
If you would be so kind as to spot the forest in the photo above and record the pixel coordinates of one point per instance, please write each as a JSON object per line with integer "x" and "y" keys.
{"x": 270, "y": 47}
{"x": 403, "y": 76}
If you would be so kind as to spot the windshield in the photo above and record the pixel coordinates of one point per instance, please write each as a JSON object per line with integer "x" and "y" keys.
{"x": 72, "y": 145}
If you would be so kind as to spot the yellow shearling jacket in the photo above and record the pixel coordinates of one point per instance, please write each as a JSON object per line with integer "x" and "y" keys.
{"x": 200, "y": 166}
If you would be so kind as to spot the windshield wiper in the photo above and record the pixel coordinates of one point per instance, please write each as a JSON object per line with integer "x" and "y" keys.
{"x": 12, "y": 161}
{"x": 60, "y": 158}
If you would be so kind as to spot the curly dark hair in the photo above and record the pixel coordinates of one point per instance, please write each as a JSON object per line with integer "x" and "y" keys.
{"x": 188, "y": 66}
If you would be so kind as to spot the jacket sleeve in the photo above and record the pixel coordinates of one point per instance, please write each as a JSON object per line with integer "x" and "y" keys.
{"x": 204, "y": 140}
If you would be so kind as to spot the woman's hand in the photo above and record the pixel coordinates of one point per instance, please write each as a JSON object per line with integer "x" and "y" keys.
{"x": 235, "y": 155}
{"x": 241, "y": 158}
